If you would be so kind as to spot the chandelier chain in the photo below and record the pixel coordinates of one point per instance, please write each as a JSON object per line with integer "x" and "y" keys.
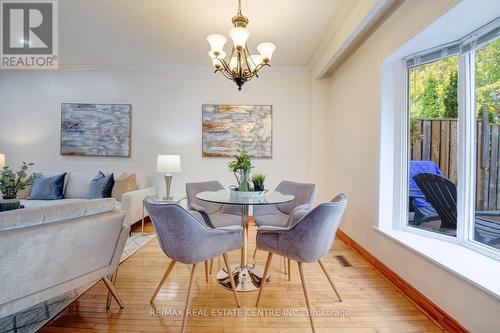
{"x": 239, "y": 7}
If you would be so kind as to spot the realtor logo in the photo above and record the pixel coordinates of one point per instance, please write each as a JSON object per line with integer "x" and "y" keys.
{"x": 29, "y": 34}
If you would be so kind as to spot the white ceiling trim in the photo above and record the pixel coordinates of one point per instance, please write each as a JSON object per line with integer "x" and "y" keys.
{"x": 339, "y": 48}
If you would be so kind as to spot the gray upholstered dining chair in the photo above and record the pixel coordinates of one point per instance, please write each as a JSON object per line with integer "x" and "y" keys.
{"x": 282, "y": 215}
{"x": 306, "y": 240}
{"x": 215, "y": 215}
{"x": 184, "y": 238}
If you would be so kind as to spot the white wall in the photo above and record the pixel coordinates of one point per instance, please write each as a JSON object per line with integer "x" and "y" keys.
{"x": 166, "y": 118}
{"x": 354, "y": 121}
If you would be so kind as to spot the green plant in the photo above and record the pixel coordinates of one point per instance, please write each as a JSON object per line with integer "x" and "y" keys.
{"x": 241, "y": 166}
{"x": 430, "y": 99}
{"x": 11, "y": 183}
{"x": 415, "y": 134}
{"x": 450, "y": 98}
{"x": 258, "y": 179}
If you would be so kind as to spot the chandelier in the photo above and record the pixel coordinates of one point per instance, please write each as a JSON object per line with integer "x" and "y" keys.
{"x": 240, "y": 66}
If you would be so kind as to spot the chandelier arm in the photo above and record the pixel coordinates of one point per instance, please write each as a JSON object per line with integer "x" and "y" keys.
{"x": 224, "y": 65}
{"x": 226, "y": 75}
{"x": 260, "y": 66}
{"x": 249, "y": 56}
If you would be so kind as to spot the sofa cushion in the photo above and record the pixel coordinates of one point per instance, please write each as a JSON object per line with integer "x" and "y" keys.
{"x": 47, "y": 213}
{"x": 126, "y": 182}
{"x": 23, "y": 194}
{"x": 44, "y": 203}
{"x": 101, "y": 186}
{"x": 47, "y": 188}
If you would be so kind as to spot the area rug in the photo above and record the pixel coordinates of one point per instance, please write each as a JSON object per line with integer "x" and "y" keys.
{"x": 33, "y": 318}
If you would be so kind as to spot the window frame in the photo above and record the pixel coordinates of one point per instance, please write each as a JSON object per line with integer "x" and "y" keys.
{"x": 466, "y": 148}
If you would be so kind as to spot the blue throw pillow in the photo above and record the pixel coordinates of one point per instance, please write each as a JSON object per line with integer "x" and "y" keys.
{"x": 47, "y": 188}
{"x": 101, "y": 186}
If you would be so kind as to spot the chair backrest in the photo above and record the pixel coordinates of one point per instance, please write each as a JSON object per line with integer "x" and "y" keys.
{"x": 442, "y": 195}
{"x": 178, "y": 231}
{"x": 314, "y": 234}
{"x": 416, "y": 167}
{"x": 194, "y": 188}
{"x": 303, "y": 192}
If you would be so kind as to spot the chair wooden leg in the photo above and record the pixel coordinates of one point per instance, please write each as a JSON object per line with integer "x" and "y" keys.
{"x": 329, "y": 279}
{"x": 231, "y": 278}
{"x": 206, "y": 270}
{"x": 113, "y": 281}
{"x": 289, "y": 269}
{"x": 113, "y": 291}
{"x": 306, "y": 294}
{"x": 211, "y": 266}
{"x": 265, "y": 276}
{"x": 188, "y": 300}
{"x": 254, "y": 252}
{"x": 169, "y": 269}
{"x": 284, "y": 265}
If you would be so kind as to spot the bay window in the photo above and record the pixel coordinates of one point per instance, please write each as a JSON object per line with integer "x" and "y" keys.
{"x": 453, "y": 141}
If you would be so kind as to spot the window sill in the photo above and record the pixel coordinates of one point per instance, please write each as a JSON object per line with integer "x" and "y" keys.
{"x": 476, "y": 268}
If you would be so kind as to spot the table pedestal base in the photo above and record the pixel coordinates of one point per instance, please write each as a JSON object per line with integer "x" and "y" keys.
{"x": 247, "y": 278}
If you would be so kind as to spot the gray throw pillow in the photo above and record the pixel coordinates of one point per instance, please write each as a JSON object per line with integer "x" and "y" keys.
{"x": 101, "y": 186}
{"x": 47, "y": 188}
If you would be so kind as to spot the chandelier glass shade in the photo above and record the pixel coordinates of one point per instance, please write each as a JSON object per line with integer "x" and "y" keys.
{"x": 240, "y": 66}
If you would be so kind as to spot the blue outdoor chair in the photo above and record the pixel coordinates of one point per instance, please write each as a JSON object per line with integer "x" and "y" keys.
{"x": 424, "y": 211}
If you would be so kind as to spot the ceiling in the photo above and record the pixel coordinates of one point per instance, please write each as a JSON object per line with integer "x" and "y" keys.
{"x": 173, "y": 32}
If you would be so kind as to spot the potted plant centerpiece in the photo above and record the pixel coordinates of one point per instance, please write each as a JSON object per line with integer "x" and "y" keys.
{"x": 241, "y": 167}
{"x": 11, "y": 183}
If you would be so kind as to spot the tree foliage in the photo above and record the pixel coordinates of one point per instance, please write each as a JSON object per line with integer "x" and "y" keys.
{"x": 433, "y": 87}
{"x": 450, "y": 98}
{"x": 431, "y": 101}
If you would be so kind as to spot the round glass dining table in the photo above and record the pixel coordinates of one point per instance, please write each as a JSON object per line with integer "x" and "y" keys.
{"x": 247, "y": 277}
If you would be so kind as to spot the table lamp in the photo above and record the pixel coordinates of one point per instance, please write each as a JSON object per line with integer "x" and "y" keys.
{"x": 2, "y": 160}
{"x": 168, "y": 164}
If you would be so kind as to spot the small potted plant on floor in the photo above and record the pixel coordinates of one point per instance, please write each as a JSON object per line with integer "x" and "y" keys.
{"x": 11, "y": 183}
{"x": 258, "y": 181}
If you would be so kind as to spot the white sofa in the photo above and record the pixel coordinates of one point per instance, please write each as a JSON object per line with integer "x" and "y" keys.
{"x": 47, "y": 251}
{"x": 76, "y": 188}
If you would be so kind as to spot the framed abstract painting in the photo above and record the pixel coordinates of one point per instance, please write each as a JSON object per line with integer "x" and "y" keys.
{"x": 225, "y": 128}
{"x": 96, "y": 129}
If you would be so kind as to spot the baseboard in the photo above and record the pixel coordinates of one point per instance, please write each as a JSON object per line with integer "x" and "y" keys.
{"x": 431, "y": 310}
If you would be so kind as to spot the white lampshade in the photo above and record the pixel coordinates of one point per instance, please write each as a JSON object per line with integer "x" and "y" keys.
{"x": 216, "y": 62}
{"x": 254, "y": 60}
{"x": 221, "y": 55}
{"x": 233, "y": 63}
{"x": 239, "y": 36}
{"x": 2, "y": 160}
{"x": 168, "y": 164}
{"x": 266, "y": 50}
{"x": 216, "y": 42}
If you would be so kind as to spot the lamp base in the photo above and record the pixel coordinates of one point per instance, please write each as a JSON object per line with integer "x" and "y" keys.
{"x": 168, "y": 182}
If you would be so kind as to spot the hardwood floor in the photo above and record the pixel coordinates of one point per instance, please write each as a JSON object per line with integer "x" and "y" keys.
{"x": 370, "y": 303}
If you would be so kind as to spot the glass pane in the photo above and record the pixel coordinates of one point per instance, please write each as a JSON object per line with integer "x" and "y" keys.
{"x": 433, "y": 138}
{"x": 487, "y": 217}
